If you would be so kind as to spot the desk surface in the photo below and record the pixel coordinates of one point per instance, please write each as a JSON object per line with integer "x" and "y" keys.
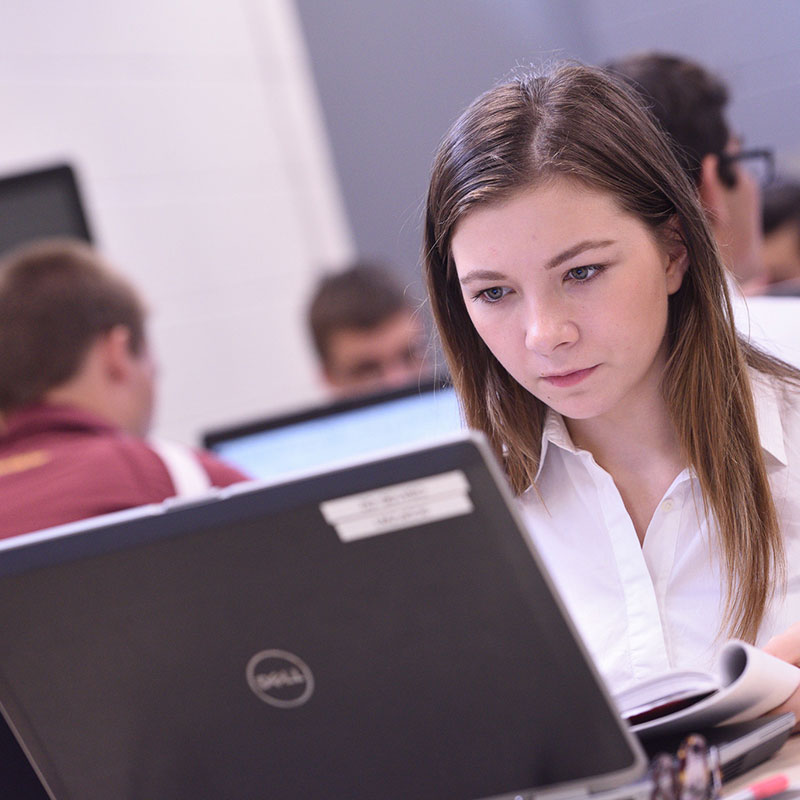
{"x": 786, "y": 760}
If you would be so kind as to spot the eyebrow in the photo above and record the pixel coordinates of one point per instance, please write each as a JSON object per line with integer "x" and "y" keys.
{"x": 481, "y": 275}
{"x": 575, "y": 250}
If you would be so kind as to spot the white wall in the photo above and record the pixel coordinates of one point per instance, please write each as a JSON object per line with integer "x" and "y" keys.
{"x": 195, "y": 130}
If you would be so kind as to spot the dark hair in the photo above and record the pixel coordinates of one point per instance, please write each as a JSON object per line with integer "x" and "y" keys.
{"x": 583, "y": 124}
{"x": 781, "y": 205}
{"x": 56, "y": 297}
{"x": 688, "y": 102}
{"x": 359, "y": 297}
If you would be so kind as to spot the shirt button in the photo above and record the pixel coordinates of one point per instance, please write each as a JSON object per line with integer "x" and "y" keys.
{"x": 667, "y": 506}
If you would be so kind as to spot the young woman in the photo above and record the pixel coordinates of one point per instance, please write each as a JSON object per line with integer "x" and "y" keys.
{"x": 585, "y": 317}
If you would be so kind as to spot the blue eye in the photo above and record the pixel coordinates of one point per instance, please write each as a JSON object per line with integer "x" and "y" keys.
{"x": 493, "y": 294}
{"x": 583, "y": 274}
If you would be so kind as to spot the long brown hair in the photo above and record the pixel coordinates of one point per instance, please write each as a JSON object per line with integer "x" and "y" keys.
{"x": 583, "y": 123}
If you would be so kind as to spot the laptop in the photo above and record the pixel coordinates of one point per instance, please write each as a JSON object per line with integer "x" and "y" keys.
{"x": 383, "y": 630}
{"x": 41, "y": 203}
{"x": 333, "y": 433}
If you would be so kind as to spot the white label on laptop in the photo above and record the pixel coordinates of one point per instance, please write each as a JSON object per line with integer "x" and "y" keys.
{"x": 399, "y": 506}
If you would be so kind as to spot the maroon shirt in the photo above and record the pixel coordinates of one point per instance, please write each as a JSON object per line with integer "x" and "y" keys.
{"x": 60, "y": 464}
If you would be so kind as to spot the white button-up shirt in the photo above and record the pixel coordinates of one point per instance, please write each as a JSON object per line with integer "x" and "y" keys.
{"x": 644, "y": 609}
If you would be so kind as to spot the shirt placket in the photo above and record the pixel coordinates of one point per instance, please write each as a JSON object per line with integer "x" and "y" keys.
{"x": 660, "y": 544}
{"x": 647, "y": 648}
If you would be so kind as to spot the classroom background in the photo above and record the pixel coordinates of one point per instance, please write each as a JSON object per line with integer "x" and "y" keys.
{"x": 229, "y": 151}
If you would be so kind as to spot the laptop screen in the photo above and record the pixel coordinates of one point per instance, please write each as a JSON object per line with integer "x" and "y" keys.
{"x": 330, "y": 434}
{"x": 306, "y": 639}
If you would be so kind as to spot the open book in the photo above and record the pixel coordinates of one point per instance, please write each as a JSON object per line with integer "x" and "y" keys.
{"x": 749, "y": 683}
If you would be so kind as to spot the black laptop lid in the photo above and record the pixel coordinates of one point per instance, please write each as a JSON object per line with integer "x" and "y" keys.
{"x": 248, "y": 648}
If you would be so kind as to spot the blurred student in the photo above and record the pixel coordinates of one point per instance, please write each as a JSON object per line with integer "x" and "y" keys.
{"x": 781, "y": 254}
{"x": 689, "y": 102}
{"x": 77, "y": 390}
{"x": 367, "y": 334}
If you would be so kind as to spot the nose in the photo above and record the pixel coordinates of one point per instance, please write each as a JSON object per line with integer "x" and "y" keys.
{"x": 548, "y": 326}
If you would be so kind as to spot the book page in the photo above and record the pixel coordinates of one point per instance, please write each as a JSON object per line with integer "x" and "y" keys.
{"x": 753, "y": 683}
{"x": 663, "y": 689}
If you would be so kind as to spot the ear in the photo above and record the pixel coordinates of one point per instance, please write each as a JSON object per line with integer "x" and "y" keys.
{"x": 677, "y": 258}
{"x": 712, "y": 191}
{"x": 116, "y": 354}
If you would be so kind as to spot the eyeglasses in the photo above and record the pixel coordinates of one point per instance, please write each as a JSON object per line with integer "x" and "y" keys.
{"x": 694, "y": 773}
{"x": 760, "y": 163}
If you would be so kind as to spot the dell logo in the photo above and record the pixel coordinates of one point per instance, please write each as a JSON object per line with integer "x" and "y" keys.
{"x": 280, "y": 678}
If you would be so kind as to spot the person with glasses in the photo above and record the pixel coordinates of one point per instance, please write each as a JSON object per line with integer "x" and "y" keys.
{"x": 584, "y": 311}
{"x": 689, "y": 102}
{"x": 367, "y": 332}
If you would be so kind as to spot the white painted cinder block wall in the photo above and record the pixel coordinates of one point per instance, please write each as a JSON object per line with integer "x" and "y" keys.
{"x": 200, "y": 149}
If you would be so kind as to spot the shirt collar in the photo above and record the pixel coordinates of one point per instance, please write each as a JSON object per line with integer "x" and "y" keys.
{"x": 47, "y": 417}
{"x": 768, "y": 419}
{"x": 555, "y": 433}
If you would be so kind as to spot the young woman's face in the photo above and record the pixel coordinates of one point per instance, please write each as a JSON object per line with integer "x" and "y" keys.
{"x": 570, "y": 295}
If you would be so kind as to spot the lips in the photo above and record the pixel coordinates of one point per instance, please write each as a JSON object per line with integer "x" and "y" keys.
{"x": 565, "y": 379}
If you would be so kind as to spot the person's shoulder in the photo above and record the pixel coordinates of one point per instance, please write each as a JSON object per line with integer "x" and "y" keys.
{"x": 219, "y": 473}
{"x": 770, "y": 323}
{"x": 132, "y": 457}
{"x": 788, "y": 393}
{"x": 784, "y": 391}
{"x": 192, "y": 469}
{"x": 767, "y": 385}
{"x": 101, "y": 471}
{"x": 777, "y": 406}
{"x": 149, "y": 466}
